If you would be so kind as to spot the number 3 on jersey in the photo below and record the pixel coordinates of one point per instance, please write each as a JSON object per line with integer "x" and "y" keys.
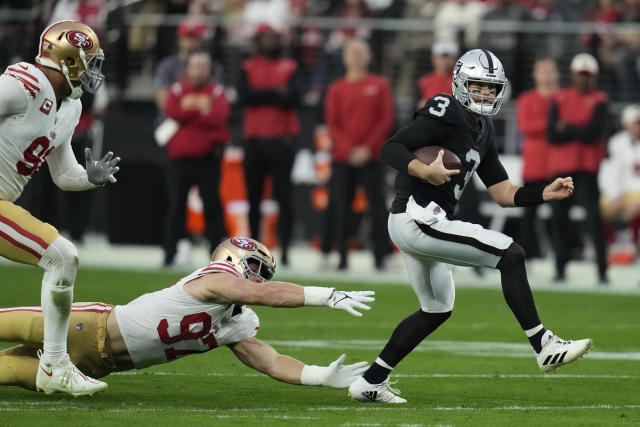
{"x": 440, "y": 107}
{"x": 472, "y": 157}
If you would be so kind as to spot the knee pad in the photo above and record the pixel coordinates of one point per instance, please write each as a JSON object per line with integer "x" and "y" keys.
{"x": 61, "y": 258}
{"x": 513, "y": 256}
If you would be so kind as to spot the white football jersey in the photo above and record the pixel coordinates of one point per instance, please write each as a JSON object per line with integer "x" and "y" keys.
{"x": 27, "y": 139}
{"x": 162, "y": 326}
{"x": 624, "y": 157}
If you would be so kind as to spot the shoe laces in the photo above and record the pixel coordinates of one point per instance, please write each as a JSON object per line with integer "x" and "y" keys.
{"x": 388, "y": 385}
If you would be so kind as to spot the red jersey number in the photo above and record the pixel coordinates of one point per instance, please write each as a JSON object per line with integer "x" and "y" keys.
{"x": 205, "y": 334}
{"x": 34, "y": 155}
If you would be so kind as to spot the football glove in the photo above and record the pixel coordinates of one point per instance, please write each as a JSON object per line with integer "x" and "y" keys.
{"x": 349, "y": 301}
{"x": 336, "y": 375}
{"x": 100, "y": 172}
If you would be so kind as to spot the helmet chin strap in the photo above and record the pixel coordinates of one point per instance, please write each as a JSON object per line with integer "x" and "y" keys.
{"x": 76, "y": 91}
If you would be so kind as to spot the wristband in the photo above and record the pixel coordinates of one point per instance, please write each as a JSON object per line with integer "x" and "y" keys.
{"x": 316, "y": 295}
{"x": 313, "y": 375}
{"x": 529, "y": 195}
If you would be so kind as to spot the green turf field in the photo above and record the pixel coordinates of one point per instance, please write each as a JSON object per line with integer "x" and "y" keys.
{"x": 475, "y": 370}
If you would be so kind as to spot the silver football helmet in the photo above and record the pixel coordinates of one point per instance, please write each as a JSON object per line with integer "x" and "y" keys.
{"x": 481, "y": 66}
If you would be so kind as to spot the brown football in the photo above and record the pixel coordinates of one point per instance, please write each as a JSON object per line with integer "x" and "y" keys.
{"x": 428, "y": 154}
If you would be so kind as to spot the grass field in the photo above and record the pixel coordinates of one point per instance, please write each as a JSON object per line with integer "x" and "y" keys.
{"x": 475, "y": 370}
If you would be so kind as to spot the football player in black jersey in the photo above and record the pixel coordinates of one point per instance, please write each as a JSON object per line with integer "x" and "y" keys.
{"x": 420, "y": 224}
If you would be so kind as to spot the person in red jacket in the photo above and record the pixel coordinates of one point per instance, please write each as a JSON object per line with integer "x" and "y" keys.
{"x": 269, "y": 88}
{"x": 359, "y": 115}
{"x": 532, "y": 116}
{"x": 201, "y": 109}
{"x": 444, "y": 54}
{"x": 576, "y": 131}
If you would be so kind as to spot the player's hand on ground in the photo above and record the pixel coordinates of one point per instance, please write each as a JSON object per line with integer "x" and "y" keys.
{"x": 341, "y": 376}
{"x": 559, "y": 189}
{"x": 100, "y": 172}
{"x": 349, "y": 301}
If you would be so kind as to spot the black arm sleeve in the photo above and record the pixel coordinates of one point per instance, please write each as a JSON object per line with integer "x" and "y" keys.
{"x": 592, "y": 131}
{"x": 249, "y": 96}
{"x": 397, "y": 152}
{"x": 529, "y": 195}
{"x": 491, "y": 171}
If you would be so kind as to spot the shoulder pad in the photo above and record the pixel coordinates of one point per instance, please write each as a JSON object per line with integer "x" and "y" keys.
{"x": 443, "y": 107}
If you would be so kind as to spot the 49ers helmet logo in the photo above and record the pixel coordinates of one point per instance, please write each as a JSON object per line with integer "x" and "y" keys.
{"x": 80, "y": 40}
{"x": 243, "y": 243}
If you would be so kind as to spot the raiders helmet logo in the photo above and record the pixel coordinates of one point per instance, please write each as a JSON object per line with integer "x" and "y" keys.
{"x": 243, "y": 243}
{"x": 79, "y": 40}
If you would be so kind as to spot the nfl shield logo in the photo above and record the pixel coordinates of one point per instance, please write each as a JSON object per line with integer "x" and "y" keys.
{"x": 436, "y": 210}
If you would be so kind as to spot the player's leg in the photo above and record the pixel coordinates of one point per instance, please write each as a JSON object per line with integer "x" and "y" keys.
{"x": 254, "y": 173}
{"x": 180, "y": 178}
{"x": 19, "y": 366}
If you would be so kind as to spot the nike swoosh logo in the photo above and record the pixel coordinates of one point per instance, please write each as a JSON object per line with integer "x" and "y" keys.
{"x": 48, "y": 373}
{"x": 23, "y": 67}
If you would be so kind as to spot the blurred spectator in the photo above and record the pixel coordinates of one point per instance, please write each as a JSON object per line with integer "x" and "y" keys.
{"x": 191, "y": 33}
{"x": 359, "y": 115}
{"x": 444, "y": 54}
{"x": 275, "y": 13}
{"x": 269, "y": 88}
{"x": 509, "y": 47}
{"x": 200, "y": 107}
{"x": 532, "y": 116}
{"x": 576, "y": 131}
{"x": 460, "y": 20}
{"x": 621, "y": 199}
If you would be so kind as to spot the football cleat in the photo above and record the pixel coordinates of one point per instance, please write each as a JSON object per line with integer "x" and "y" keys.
{"x": 557, "y": 352}
{"x": 65, "y": 378}
{"x": 361, "y": 390}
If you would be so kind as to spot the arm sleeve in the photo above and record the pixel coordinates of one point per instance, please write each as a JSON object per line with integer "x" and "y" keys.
{"x": 342, "y": 145}
{"x": 592, "y": 131}
{"x": 397, "y": 152}
{"x": 65, "y": 171}
{"x": 249, "y": 96}
{"x": 380, "y": 131}
{"x": 14, "y": 99}
{"x": 491, "y": 171}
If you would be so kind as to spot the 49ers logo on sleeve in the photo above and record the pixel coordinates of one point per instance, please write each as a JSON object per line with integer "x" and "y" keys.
{"x": 79, "y": 39}
{"x": 243, "y": 243}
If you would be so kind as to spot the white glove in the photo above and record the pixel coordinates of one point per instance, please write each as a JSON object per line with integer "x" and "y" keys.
{"x": 335, "y": 375}
{"x": 347, "y": 301}
{"x": 99, "y": 172}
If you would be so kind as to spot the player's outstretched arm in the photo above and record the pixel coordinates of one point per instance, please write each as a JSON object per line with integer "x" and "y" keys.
{"x": 262, "y": 357}
{"x": 226, "y": 289}
{"x": 507, "y": 194}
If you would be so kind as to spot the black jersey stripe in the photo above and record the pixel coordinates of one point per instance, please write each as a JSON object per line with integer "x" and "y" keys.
{"x": 464, "y": 240}
{"x": 489, "y": 60}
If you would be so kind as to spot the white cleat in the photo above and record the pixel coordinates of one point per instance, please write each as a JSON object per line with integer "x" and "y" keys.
{"x": 557, "y": 352}
{"x": 361, "y": 390}
{"x": 66, "y": 378}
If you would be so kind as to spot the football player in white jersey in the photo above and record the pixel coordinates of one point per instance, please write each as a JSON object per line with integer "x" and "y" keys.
{"x": 200, "y": 312}
{"x": 39, "y": 109}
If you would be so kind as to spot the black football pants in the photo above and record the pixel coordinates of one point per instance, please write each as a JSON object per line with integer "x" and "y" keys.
{"x": 182, "y": 174}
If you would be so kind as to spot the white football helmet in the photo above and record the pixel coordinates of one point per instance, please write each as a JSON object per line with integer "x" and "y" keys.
{"x": 240, "y": 250}
{"x": 481, "y": 66}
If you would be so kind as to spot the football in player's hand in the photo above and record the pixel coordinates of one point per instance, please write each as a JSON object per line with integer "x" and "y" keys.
{"x": 429, "y": 153}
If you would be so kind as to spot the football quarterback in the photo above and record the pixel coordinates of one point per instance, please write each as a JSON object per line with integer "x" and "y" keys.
{"x": 200, "y": 312}
{"x": 431, "y": 242}
{"x": 39, "y": 109}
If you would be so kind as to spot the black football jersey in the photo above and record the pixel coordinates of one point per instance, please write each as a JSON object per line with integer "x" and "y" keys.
{"x": 445, "y": 122}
